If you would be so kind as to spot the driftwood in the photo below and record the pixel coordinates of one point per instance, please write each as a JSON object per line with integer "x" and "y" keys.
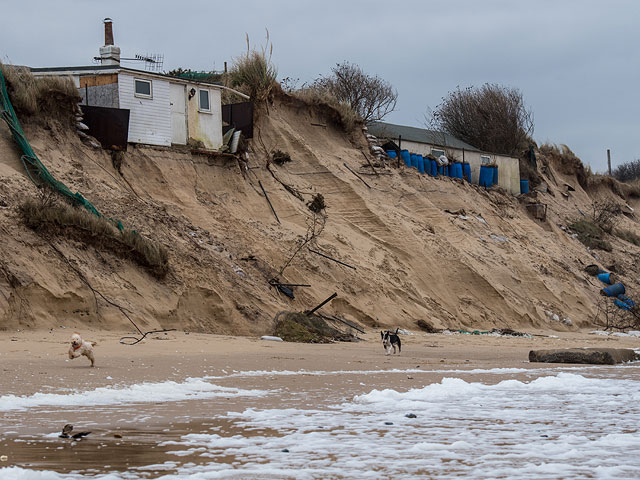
{"x": 309, "y": 312}
{"x": 361, "y": 179}
{"x": 338, "y": 319}
{"x": 332, "y": 259}
{"x": 369, "y": 162}
{"x": 268, "y": 201}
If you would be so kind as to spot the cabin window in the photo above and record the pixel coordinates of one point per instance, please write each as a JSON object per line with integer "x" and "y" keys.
{"x": 437, "y": 153}
{"x": 142, "y": 88}
{"x": 485, "y": 159}
{"x": 205, "y": 106}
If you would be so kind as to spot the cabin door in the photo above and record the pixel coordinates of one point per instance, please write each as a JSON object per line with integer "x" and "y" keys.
{"x": 178, "y": 114}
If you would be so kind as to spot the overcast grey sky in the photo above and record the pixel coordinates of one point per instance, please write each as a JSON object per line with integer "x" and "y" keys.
{"x": 575, "y": 61}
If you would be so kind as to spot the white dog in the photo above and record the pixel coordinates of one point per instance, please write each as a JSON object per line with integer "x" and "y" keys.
{"x": 79, "y": 347}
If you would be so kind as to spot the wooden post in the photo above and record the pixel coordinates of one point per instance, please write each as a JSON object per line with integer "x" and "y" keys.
{"x": 322, "y": 304}
{"x": 609, "y": 160}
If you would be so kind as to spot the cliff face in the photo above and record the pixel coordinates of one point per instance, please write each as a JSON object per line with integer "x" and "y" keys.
{"x": 491, "y": 264}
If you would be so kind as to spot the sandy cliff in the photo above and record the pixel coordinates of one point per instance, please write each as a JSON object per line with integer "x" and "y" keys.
{"x": 493, "y": 266}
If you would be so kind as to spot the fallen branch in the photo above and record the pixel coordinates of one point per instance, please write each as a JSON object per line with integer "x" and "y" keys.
{"x": 369, "y": 162}
{"x": 268, "y": 201}
{"x": 361, "y": 179}
{"x": 332, "y": 259}
{"x": 309, "y": 312}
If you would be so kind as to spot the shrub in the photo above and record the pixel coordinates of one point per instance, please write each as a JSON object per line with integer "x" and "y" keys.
{"x": 493, "y": 118}
{"x": 303, "y": 328}
{"x": 629, "y": 236}
{"x": 344, "y": 114}
{"x": 45, "y": 98}
{"x": 627, "y": 172}
{"x": 279, "y": 157}
{"x": 604, "y": 214}
{"x": 371, "y": 97}
{"x": 78, "y": 223}
{"x": 590, "y": 234}
{"x": 254, "y": 72}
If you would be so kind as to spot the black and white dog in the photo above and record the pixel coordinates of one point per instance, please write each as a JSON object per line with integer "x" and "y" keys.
{"x": 390, "y": 340}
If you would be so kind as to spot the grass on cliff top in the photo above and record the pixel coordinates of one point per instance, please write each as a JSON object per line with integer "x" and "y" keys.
{"x": 50, "y": 97}
{"x": 81, "y": 225}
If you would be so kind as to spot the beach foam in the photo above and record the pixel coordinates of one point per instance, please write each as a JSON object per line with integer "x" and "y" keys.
{"x": 190, "y": 389}
{"x": 556, "y": 426}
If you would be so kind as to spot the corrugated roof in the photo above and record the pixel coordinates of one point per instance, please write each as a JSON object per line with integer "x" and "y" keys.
{"x": 420, "y": 135}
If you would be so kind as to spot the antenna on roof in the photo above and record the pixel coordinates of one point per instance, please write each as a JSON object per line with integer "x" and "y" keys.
{"x": 152, "y": 62}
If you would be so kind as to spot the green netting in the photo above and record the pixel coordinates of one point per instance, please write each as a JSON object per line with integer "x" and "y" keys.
{"x": 34, "y": 167}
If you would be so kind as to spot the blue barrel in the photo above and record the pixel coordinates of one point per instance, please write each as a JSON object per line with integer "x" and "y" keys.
{"x": 406, "y": 157}
{"x": 434, "y": 168}
{"x": 414, "y": 160}
{"x": 459, "y": 171}
{"x": 446, "y": 170}
{"x": 605, "y": 278}
{"x": 466, "y": 171}
{"x": 613, "y": 290}
{"x": 495, "y": 175}
{"x": 441, "y": 170}
{"x": 483, "y": 176}
{"x": 392, "y": 153}
{"x": 420, "y": 162}
{"x": 524, "y": 186}
{"x": 624, "y": 302}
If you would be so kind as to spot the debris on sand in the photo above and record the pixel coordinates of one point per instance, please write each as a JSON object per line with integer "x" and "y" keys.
{"x": 66, "y": 433}
{"x": 593, "y": 356}
{"x": 307, "y": 328}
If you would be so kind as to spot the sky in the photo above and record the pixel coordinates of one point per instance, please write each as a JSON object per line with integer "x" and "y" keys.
{"x": 576, "y": 62}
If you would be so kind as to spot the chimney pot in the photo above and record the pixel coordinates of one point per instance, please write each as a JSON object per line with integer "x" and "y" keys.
{"x": 108, "y": 31}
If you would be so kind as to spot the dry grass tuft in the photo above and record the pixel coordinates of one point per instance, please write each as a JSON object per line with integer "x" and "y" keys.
{"x": 628, "y": 236}
{"x": 44, "y": 98}
{"x": 254, "y": 72}
{"x": 566, "y": 162}
{"x": 80, "y": 224}
{"x": 343, "y": 113}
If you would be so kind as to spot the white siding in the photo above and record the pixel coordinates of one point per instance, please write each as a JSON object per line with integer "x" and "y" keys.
{"x": 150, "y": 118}
{"x": 508, "y": 167}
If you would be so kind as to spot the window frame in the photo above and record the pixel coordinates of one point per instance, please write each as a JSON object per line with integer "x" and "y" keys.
{"x": 143, "y": 95}
{"x": 482, "y": 160}
{"x": 442, "y": 152}
{"x": 200, "y": 109}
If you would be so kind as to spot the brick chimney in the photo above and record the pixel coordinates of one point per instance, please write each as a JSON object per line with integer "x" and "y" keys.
{"x": 109, "y": 53}
{"x": 108, "y": 32}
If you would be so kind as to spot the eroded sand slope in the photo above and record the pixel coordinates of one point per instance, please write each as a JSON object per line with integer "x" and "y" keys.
{"x": 495, "y": 266}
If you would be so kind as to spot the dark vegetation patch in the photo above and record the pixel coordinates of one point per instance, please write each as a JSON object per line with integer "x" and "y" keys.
{"x": 44, "y": 98}
{"x": 302, "y": 328}
{"x": 628, "y": 236}
{"x": 590, "y": 234}
{"x": 317, "y": 204}
{"x": 427, "y": 327}
{"x": 78, "y": 224}
{"x": 280, "y": 158}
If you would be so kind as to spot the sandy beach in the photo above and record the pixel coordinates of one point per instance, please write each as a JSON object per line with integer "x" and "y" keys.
{"x": 148, "y": 406}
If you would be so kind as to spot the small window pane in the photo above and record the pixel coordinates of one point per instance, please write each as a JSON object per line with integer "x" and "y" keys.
{"x": 204, "y": 100}
{"x": 485, "y": 159}
{"x": 143, "y": 87}
{"x": 437, "y": 153}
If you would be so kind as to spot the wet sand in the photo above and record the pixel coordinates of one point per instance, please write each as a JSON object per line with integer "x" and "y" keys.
{"x": 132, "y": 435}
